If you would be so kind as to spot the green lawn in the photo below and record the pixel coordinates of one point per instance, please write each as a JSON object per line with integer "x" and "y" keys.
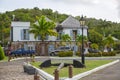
{"x": 90, "y": 64}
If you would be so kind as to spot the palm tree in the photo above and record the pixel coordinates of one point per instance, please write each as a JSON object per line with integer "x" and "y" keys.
{"x": 108, "y": 42}
{"x": 42, "y": 29}
{"x": 79, "y": 40}
{"x": 65, "y": 37}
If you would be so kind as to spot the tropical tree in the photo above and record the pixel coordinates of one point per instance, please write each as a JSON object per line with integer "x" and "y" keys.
{"x": 116, "y": 34}
{"x": 65, "y": 38}
{"x": 108, "y": 42}
{"x": 95, "y": 37}
{"x": 79, "y": 40}
{"x": 94, "y": 46}
{"x": 43, "y": 28}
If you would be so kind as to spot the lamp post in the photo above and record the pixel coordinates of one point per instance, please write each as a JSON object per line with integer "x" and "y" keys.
{"x": 82, "y": 24}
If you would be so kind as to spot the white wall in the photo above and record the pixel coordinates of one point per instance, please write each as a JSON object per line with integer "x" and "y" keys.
{"x": 32, "y": 38}
{"x": 17, "y": 27}
{"x": 52, "y": 38}
{"x": 67, "y": 31}
{"x": 84, "y": 32}
{"x": 17, "y": 33}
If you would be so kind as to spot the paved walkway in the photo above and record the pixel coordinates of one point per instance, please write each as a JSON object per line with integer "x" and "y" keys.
{"x": 13, "y": 71}
{"x": 109, "y": 73}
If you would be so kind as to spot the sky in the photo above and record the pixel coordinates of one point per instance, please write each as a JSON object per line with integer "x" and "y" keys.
{"x": 100, "y": 9}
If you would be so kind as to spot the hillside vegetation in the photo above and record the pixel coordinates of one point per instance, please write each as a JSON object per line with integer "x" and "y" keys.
{"x": 100, "y": 26}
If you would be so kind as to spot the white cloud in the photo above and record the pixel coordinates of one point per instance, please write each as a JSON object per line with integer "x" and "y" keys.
{"x": 118, "y": 7}
{"x": 85, "y": 2}
{"x": 105, "y": 9}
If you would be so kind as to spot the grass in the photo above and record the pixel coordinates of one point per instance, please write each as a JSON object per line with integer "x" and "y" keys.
{"x": 90, "y": 64}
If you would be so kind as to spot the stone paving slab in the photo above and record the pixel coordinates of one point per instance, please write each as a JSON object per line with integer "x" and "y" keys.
{"x": 13, "y": 71}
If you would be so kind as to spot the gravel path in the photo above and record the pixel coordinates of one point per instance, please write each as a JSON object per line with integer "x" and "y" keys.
{"x": 13, "y": 71}
{"x": 109, "y": 73}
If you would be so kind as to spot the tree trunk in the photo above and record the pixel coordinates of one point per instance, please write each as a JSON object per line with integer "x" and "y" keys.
{"x": 43, "y": 49}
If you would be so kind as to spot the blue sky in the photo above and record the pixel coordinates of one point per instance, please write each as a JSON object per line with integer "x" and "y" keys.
{"x": 105, "y": 9}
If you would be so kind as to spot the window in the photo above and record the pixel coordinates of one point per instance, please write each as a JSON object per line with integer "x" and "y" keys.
{"x": 39, "y": 37}
{"x": 25, "y": 34}
{"x": 74, "y": 34}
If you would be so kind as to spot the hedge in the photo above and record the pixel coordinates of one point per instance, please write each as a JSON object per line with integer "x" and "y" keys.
{"x": 70, "y": 53}
{"x": 65, "y": 54}
{"x": 98, "y": 54}
{"x": 93, "y": 55}
{"x": 2, "y": 55}
{"x": 109, "y": 53}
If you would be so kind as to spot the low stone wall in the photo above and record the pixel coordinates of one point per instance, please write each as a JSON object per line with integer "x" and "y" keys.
{"x": 29, "y": 69}
{"x": 41, "y": 73}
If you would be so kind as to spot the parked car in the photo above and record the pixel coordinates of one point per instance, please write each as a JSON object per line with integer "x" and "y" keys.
{"x": 22, "y": 51}
{"x": 62, "y": 48}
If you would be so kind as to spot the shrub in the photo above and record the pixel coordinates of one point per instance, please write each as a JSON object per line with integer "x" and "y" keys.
{"x": 65, "y": 54}
{"x": 108, "y": 53}
{"x": 93, "y": 55}
{"x": 78, "y": 54}
{"x": 94, "y": 46}
{"x": 100, "y": 54}
{"x": 117, "y": 51}
{"x": 2, "y": 55}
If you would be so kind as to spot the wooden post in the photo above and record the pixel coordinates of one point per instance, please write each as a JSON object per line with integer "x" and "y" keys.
{"x": 9, "y": 58}
{"x": 56, "y": 75}
{"x": 70, "y": 71}
{"x": 36, "y": 77}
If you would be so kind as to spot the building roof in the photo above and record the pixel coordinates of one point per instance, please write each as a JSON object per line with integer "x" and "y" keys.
{"x": 71, "y": 22}
{"x": 46, "y": 18}
{"x": 19, "y": 23}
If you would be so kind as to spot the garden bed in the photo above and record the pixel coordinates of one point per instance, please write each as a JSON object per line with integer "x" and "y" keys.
{"x": 90, "y": 64}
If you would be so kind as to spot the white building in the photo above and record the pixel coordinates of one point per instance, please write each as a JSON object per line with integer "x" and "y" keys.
{"x": 70, "y": 26}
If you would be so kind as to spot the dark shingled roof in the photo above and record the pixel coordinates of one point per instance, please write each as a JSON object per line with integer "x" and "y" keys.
{"x": 70, "y": 22}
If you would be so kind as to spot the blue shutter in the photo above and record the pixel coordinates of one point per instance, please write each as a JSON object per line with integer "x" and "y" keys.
{"x": 71, "y": 34}
{"x": 22, "y": 34}
{"x": 27, "y": 34}
{"x": 39, "y": 37}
